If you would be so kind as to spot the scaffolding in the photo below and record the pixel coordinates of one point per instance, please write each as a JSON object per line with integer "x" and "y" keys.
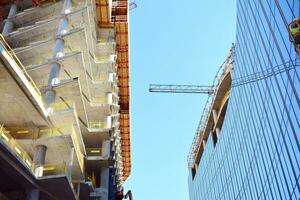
{"x": 222, "y": 71}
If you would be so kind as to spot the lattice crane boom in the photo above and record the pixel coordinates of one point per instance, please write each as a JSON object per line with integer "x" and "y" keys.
{"x": 163, "y": 88}
{"x": 199, "y": 89}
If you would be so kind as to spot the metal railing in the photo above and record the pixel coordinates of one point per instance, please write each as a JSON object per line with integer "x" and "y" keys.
{"x": 17, "y": 149}
{"x": 97, "y": 124}
{"x": 66, "y": 129}
{"x": 100, "y": 78}
{"x": 79, "y": 152}
{"x": 48, "y": 168}
{"x": 11, "y": 53}
{"x": 93, "y": 151}
{"x": 104, "y": 40}
{"x": 107, "y": 58}
{"x": 224, "y": 68}
{"x": 55, "y": 169}
{"x": 22, "y": 74}
{"x": 99, "y": 100}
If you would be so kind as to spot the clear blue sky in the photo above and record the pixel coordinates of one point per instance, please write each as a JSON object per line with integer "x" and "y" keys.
{"x": 177, "y": 42}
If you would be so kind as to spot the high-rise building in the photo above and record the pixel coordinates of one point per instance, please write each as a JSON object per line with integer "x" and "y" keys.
{"x": 247, "y": 143}
{"x": 64, "y": 106}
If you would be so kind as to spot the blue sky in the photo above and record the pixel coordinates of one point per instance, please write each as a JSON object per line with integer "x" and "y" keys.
{"x": 176, "y": 42}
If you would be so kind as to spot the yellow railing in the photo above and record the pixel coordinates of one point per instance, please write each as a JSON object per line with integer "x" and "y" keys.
{"x": 55, "y": 169}
{"x": 102, "y": 58}
{"x": 76, "y": 139}
{"x": 48, "y": 169}
{"x": 66, "y": 129}
{"x": 97, "y": 124}
{"x": 102, "y": 40}
{"x": 93, "y": 151}
{"x": 53, "y": 131}
{"x": 12, "y": 144}
{"x": 12, "y": 54}
{"x": 99, "y": 100}
{"x": 100, "y": 78}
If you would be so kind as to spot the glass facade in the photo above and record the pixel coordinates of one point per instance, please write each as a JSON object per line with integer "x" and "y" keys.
{"x": 257, "y": 153}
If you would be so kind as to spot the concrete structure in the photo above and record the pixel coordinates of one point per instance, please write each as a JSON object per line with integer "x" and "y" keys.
{"x": 64, "y": 80}
{"x": 247, "y": 142}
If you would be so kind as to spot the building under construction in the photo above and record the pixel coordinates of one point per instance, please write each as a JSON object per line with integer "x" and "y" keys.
{"x": 64, "y": 107}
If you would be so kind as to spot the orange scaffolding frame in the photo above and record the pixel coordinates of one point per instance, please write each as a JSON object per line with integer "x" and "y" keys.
{"x": 118, "y": 19}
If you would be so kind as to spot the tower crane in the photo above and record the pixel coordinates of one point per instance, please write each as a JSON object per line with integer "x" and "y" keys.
{"x": 200, "y": 89}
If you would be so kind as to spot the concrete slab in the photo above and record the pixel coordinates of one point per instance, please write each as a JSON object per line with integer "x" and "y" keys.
{"x": 59, "y": 186}
{"x": 94, "y": 163}
{"x": 69, "y": 91}
{"x": 93, "y": 139}
{"x": 30, "y": 16}
{"x": 85, "y": 190}
{"x": 58, "y": 153}
{"x": 15, "y": 99}
{"x": 44, "y": 29}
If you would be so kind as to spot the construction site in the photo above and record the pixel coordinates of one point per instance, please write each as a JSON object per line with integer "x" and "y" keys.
{"x": 65, "y": 129}
{"x": 65, "y": 113}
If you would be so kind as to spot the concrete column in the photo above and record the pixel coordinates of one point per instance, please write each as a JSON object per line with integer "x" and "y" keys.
{"x": 67, "y": 7}
{"x": 8, "y": 26}
{"x": 215, "y": 115}
{"x": 32, "y": 194}
{"x": 104, "y": 183}
{"x": 50, "y": 98}
{"x": 70, "y": 165}
{"x": 106, "y": 148}
{"x": 63, "y": 26}
{"x": 58, "y": 52}
{"x": 78, "y": 190}
{"x": 39, "y": 160}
